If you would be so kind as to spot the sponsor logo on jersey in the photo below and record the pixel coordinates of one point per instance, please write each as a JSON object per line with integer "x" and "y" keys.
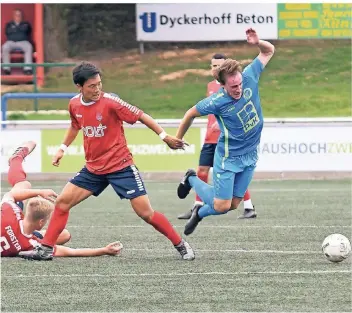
{"x": 248, "y": 116}
{"x": 94, "y": 131}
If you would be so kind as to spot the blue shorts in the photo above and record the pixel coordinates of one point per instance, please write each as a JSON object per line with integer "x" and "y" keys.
{"x": 126, "y": 182}
{"x": 207, "y": 154}
{"x": 232, "y": 176}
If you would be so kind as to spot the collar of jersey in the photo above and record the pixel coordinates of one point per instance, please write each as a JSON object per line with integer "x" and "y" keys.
{"x": 22, "y": 230}
{"x": 85, "y": 103}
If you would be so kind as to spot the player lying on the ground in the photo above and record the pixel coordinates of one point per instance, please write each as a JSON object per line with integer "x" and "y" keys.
{"x": 238, "y": 111}
{"x": 100, "y": 116}
{"x": 206, "y": 158}
{"x": 21, "y": 232}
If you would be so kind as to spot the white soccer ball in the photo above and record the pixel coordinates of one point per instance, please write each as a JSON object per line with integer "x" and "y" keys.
{"x": 336, "y": 247}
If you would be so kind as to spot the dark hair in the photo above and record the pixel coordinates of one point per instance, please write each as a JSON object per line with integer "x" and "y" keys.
{"x": 219, "y": 56}
{"x": 229, "y": 67}
{"x": 84, "y": 71}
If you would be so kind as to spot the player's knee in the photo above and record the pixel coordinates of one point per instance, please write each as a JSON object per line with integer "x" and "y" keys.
{"x": 64, "y": 203}
{"x": 222, "y": 205}
{"x": 64, "y": 237}
{"x": 146, "y": 215}
{"x": 142, "y": 207}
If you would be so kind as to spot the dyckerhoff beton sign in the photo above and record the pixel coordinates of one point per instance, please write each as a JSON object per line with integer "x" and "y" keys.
{"x": 194, "y": 22}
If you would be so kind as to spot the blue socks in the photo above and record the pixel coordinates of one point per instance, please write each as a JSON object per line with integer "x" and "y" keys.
{"x": 203, "y": 190}
{"x": 207, "y": 210}
{"x": 206, "y": 193}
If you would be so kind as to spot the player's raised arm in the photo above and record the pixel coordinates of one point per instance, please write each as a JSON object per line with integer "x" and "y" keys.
{"x": 266, "y": 48}
{"x": 18, "y": 194}
{"x": 111, "y": 249}
{"x": 187, "y": 121}
{"x": 204, "y": 107}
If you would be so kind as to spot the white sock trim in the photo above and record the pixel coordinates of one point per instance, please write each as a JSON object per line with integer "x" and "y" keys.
{"x": 248, "y": 204}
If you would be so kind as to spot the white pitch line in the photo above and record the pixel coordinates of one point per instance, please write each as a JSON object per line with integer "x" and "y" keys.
{"x": 254, "y": 190}
{"x": 233, "y": 251}
{"x": 181, "y": 274}
{"x": 215, "y": 226}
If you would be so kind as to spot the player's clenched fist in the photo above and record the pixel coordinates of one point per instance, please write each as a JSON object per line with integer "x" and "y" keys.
{"x": 175, "y": 143}
{"x": 57, "y": 157}
{"x": 114, "y": 248}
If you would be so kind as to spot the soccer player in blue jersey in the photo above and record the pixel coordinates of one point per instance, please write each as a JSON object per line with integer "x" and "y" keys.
{"x": 237, "y": 109}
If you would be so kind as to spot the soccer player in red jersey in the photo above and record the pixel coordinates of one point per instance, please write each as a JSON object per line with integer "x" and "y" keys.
{"x": 100, "y": 116}
{"x": 22, "y": 232}
{"x": 208, "y": 150}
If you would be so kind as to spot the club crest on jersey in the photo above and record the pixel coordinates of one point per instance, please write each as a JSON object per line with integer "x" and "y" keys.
{"x": 99, "y": 117}
{"x": 247, "y": 93}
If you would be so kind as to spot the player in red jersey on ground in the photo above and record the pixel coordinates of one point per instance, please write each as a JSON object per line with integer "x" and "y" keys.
{"x": 22, "y": 232}
{"x": 100, "y": 116}
{"x": 208, "y": 150}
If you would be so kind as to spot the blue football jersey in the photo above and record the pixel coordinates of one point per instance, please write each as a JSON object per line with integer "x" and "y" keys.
{"x": 240, "y": 121}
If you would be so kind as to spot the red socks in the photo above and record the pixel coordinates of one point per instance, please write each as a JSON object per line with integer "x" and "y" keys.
{"x": 57, "y": 224}
{"x": 16, "y": 173}
{"x": 162, "y": 225}
{"x": 204, "y": 177}
{"x": 247, "y": 196}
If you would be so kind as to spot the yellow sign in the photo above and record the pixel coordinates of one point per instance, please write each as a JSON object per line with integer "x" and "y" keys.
{"x": 314, "y": 20}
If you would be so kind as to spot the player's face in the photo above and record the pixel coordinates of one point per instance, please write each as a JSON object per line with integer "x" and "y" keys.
{"x": 233, "y": 85}
{"x": 215, "y": 63}
{"x": 91, "y": 89}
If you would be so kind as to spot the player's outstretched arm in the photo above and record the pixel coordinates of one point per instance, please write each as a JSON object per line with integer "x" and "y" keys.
{"x": 267, "y": 49}
{"x": 17, "y": 194}
{"x": 171, "y": 141}
{"x": 186, "y": 122}
{"x": 111, "y": 249}
{"x": 70, "y": 136}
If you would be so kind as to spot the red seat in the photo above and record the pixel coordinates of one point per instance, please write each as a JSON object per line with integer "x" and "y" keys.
{"x": 17, "y": 78}
{"x": 17, "y": 56}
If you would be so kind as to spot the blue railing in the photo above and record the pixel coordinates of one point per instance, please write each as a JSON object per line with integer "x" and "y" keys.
{"x": 29, "y": 95}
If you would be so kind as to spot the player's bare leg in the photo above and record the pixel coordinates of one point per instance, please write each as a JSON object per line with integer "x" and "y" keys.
{"x": 141, "y": 205}
{"x": 70, "y": 196}
{"x": 22, "y": 151}
{"x": 17, "y": 177}
{"x": 249, "y": 209}
{"x": 203, "y": 174}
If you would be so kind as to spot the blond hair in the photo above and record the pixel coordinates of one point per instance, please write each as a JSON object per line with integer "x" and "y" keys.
{"x": 39, "y": 208}
{"x": 227, "y": 68}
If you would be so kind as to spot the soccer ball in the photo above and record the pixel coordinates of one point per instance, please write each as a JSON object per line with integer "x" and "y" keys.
{"x": 336, "y": 247}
